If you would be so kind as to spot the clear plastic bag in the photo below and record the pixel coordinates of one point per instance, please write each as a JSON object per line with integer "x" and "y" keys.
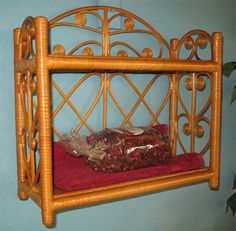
{"x": 121, "y": 149}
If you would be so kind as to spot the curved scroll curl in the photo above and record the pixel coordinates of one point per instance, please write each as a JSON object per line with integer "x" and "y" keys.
{"x": 27, "y": 35}
{"x": 91, "y": 42}
{"x": 201, "y": 41}
{"x": 208, "y": 123}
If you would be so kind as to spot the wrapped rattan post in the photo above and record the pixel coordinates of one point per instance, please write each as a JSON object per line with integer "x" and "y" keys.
{"x": 173, "y": 98}
{"x": 20, "y": 139}
{"x": 45, "y": 144}
{"x": 216, "y": 110}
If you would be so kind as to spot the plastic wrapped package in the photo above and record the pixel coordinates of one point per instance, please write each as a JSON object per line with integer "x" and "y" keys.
{"x": 121, "y": 149}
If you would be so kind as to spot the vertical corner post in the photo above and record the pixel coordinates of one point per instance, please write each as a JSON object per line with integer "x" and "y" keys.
{"x": 44, "y": 104}
{"x": 216, "y": 110}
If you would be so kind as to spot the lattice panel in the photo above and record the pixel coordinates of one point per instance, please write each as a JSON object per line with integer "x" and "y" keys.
{"x": 72, "y": 98}
{"x": 116, "y": 101}
{"x": 141, "y": 101}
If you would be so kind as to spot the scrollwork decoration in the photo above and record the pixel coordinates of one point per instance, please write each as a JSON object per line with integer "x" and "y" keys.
{"x": 101, "y": 14}
{"x": 192, "y": 41}
{"x": 27, "y": 35}
{"x": 27, "y": 88}
{"x": 194, "y": 82}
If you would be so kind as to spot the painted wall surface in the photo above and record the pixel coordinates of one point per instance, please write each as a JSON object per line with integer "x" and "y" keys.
{"x": 190, "y": 208}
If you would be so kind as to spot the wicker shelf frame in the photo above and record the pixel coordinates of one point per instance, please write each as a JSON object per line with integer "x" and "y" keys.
{"x": 34, "y": 119}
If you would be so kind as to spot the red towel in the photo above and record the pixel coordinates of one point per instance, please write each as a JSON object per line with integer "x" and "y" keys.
{"x": 72, "y": 173}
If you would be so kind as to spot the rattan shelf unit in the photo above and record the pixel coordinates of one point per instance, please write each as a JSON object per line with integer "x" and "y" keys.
{"x": 35, "y": 63}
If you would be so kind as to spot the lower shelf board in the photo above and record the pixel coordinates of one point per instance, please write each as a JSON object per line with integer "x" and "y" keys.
{"x": 129, "y": 189}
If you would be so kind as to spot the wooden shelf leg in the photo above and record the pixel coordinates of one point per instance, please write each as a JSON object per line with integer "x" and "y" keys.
{"x": 48, "y": 218}
{"x": 214, "y": 183}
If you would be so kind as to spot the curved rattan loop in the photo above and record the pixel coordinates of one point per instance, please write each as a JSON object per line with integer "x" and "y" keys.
{"x": 75, "y": 25}
{"x": 91, "y": 42}
{"x": 208, "y": 101}
{"x": 180, "y": 98}
{"x": 181, "y": 115}
{"x": 91, "y": 108}
{"x": 116, "y": 102}
{"x": 125, "y": 45}
{"x": 27, "y": 34}
{"x": 207, "y": 145}
{"x": 83, "y": 10}
{"x": 194, "y": 44}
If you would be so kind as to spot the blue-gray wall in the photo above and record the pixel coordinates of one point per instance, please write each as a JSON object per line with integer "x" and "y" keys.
{"x": 190, "y": 208}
